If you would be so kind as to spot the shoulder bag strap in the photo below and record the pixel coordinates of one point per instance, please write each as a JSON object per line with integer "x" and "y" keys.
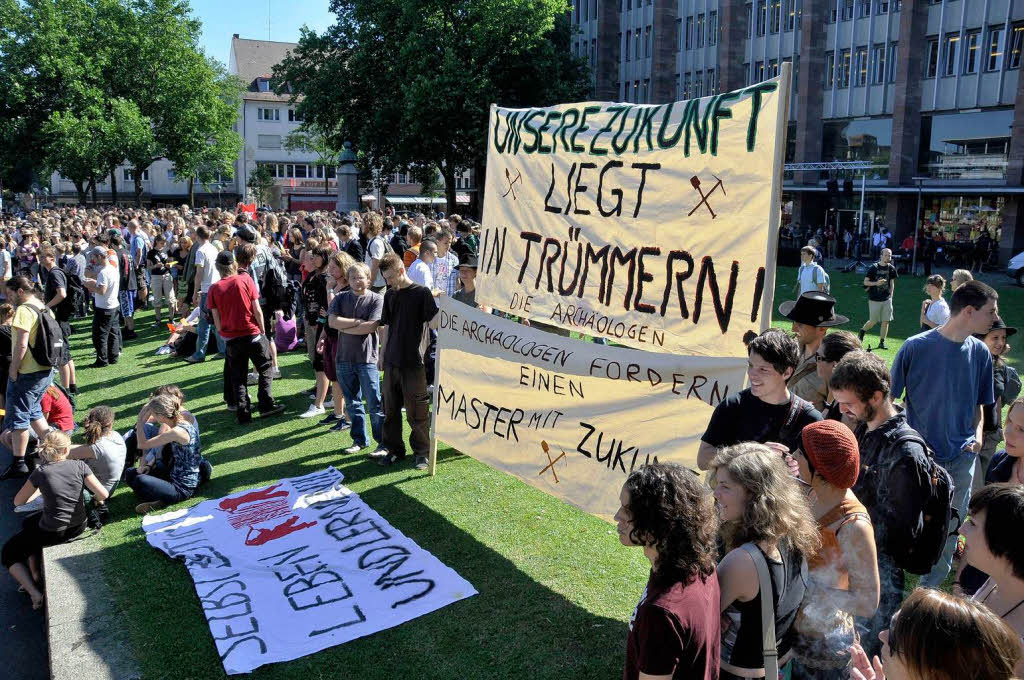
{"x": 769, "y": 648}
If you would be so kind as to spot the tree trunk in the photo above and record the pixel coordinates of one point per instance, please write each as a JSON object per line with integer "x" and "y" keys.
{"x": 191, "y": 192}
{"x": 80, "y": 190}
{"x": 479, "y": 181}
{"x": 92, "y": 189}
{"x": 138, "y": 187}
{"x": 113, "y": 186}
{"x": 448, "y": 172}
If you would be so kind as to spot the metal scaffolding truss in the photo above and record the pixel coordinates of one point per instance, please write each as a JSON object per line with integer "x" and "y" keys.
{"x": 833, "y": 165}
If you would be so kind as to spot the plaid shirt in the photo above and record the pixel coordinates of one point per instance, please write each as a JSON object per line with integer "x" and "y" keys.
{"x": 445, "y": 275}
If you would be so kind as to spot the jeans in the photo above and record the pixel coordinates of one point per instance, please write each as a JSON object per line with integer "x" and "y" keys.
{"x": 406, "y": 386}
{"x": 24, "y": 398}
{"x": 203, "y": 332}
{"x": 150, "y": 487}
{"x": 240, "y": 351}
{"x": 105, "y": 335}
{"x": 961, "y": 469}
{"x": 358, "y": 382}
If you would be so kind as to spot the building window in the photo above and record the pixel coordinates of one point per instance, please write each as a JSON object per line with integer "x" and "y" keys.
{"x": 773, "y": 68}
{"x": 775, "y": 16}
{"x": 994, "y": 56}
{"x": 688, "y": 35}
{"x": 762, "y": 16}
{"x": 713, "y": 28}
{"x": 129, "y": 175}
{"x": 1016, "y": 45}
{"x": 893, "y": 59}
{"x": 687, "y": 79}
{"x": 263, "y": 85}
{"x": 170, "y": 174}
{"x": 758, "y": 71}
{"x": 830, "y": 69}
{"x": 971, "y": 44}
{"x": 847, "y": 9}
{"x": 878, "y": 64}
{"x": 860, "y": 69}
{"x": 679, "y": 87}
{"x": 882, "y": 7}
{"x": 750, "y": 20}
{"x": 790, "y": 15}
{"x": 832, "y": 13}
{"x": 294, "y": 116}
{"x": 647, "y": 42}
{"x": 636, "y": 44}
{"x": 268, "y": 141}
{"x": 932, "y": 59}
{"x": 746, "y": 74}
{"x": 647, "y": 91}
{"x": 268, "y": 114}
{"x": 864, "y": 9}
{"x": 897, "y": 5}
{"x": 698, "y": 86}
{"x": 700, "y": 30}
{"x": 636, "y": 91}
{"x": 950, "y": 54}
{"x": 844, "y": 68}
{"x": 629, "y": 41}
{"x": 711, "y": 84}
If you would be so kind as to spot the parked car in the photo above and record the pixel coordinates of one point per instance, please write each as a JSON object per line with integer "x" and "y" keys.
{"x": 1015, "y": 268}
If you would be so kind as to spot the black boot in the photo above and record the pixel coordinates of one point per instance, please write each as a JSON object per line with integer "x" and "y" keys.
{"x": 92, "y": 519}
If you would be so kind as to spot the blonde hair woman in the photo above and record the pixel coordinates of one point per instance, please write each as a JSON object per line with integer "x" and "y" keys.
{"x": 162, "y": 487}
{"x": 764, "y": 512}
{"x": 959, "y": 278}
{"x": 60, "y": 481}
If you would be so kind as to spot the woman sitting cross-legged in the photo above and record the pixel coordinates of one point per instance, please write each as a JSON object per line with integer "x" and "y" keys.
{"x": 104, "y": 452}
{"x": 60, "y": 481}
{"x": 163, "y": 485}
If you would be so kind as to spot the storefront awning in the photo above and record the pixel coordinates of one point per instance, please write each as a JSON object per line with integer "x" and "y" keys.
{"x": 369, "y": 198}
{"x": 415, "y": 200}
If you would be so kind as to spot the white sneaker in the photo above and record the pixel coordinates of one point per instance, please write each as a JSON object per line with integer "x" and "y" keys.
{"x": 252, "y": 378}
{"x": 352, "y": 449}
{"x": 329, "y": 403}
{"x": 275, "y": 372}
{"x": 313, "y": 412}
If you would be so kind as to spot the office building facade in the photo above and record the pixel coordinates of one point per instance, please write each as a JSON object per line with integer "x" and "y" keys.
{"x": 927, "y": 92}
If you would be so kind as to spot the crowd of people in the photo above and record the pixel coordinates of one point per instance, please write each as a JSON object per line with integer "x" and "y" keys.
{"x": 829, "y": 478}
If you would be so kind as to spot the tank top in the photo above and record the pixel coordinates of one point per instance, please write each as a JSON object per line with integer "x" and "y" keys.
{"x": 185, "y": 470}
{"x": 826, "y": 566}
{"x": 742, "y": 642}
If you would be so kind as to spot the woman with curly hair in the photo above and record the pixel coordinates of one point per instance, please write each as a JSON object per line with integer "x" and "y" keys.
{"x": 763, "y": 511}
{"x": 675, "y": 629}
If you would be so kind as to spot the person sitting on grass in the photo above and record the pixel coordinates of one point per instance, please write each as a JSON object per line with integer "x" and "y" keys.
{"x": 675, "y": 630}
{"x": 60, "y": 481}
{"x": 937, "y": 636}
{"x": 104, "y": 452}
{"x": 163, "y": 484}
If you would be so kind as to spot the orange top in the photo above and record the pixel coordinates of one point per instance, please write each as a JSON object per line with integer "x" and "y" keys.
{"x": 827, "y": 565}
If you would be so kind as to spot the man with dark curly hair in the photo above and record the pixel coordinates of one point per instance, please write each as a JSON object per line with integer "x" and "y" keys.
{"x": 675, "y": 630}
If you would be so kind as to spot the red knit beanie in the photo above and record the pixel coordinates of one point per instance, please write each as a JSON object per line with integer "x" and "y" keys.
{"x": 832, "y": 450}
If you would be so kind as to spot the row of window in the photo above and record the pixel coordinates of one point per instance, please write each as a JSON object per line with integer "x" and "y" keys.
{"x": 693, "y": 35}
{"x": 300, "y": 171}
{"x": 637, "y": 92}
{"x": 580, "y": 50}
{"x": 858, "y": 69}
{"x": 764, "y": 71}
{"x": 965, "y": 53}
{"x": 128, "y": 175}
{"x": 697, "y": 84}
{"x": 275, "y": 114}
{"x": 633, "y": 44}
{"x": 849, "y": 9}
{"x": 772, "y": 16}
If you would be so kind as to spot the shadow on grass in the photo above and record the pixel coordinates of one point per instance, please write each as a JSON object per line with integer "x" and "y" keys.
{"x": 515, "y": 628}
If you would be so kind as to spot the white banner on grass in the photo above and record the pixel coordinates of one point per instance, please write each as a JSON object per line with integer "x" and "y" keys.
{"x": 569, "y": 417}
{"x": 299, "y": 566}
{"x": 652, "y": 225}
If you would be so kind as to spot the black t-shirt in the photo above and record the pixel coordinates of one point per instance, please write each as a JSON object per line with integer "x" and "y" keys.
{"x": 742, "y": 417}
{"x": 405, "y": 311}
{"x": 881, "y": 271}
{"x": 157, "y": 260}
{"x": 55, "y": 280}
{"x": 61, "y": 486}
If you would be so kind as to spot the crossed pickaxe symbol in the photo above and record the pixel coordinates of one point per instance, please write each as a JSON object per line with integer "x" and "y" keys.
{"x": 511, "y": 182}
{"x": 551, "y": 463}
{"x": 695, "y": 182}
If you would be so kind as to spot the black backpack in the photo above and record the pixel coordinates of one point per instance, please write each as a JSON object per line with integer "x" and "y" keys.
{"x": 921, "y": 548}
{"x": 48, "y": 349}
{"x": 274, "y": 286}
{"x": 74, "y": 294}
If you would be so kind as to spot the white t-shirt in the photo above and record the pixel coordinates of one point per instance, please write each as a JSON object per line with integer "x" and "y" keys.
{"x": 206, "y": 257}
{"x": 938, "y": 312}
{"x": 375, "y": 250}
{"x": 110, "y": 452}
{"x": 809, "y": 277}
{"x": 5, "y": 264}
{"x": 419, "y": 272}
{"x": 109, "y": 276}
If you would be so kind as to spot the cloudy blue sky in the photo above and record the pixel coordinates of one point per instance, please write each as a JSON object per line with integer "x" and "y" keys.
{"x": 223, "y": 18}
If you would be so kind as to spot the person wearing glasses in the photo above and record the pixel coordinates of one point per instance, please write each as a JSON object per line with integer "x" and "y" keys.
{"x": 834, "y": 347}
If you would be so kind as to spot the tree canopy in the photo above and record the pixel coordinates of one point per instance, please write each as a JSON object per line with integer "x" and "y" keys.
{"x": 410, "y": 82}
{"x": 86, "y": 85}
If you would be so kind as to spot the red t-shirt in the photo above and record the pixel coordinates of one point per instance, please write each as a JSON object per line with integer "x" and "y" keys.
{"x": 57, "y": 410}
{"x": 676, "y": 632}
{"x": 234, "y": 298}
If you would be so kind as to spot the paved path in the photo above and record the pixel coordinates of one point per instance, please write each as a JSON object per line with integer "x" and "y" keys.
{"x": 23, "y": 638}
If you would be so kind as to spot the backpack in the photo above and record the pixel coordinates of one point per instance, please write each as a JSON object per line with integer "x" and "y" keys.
{"x": 48, "y": 349}
{"x": 274, "y": 286}
{"x": 827, "y": 281}
{"x": 74, "y": 295}
{"x": 921, "y": 548}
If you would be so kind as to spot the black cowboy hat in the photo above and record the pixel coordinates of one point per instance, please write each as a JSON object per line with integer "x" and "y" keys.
{"x": 469, "y": 261}
{"x": 998, "y": 324}
{"x": 813, "y": 309}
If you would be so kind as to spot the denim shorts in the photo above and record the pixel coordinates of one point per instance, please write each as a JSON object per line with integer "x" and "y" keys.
{"x": 24, "y": 399}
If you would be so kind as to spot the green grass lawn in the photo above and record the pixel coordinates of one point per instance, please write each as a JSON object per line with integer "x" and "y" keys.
{"x": 556, "y": 587}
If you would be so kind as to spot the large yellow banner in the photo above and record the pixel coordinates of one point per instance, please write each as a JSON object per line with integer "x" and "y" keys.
{"x": 571, "y": 418}
{"x": 652, "y": 225}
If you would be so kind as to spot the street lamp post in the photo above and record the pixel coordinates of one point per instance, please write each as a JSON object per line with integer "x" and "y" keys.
{"x": 917, "y": 224}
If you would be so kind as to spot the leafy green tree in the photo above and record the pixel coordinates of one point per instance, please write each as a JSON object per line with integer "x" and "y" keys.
{"x": 447, "y": 61}
{"x": 309, "y": 138}
{"x": 261, "y": 181}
